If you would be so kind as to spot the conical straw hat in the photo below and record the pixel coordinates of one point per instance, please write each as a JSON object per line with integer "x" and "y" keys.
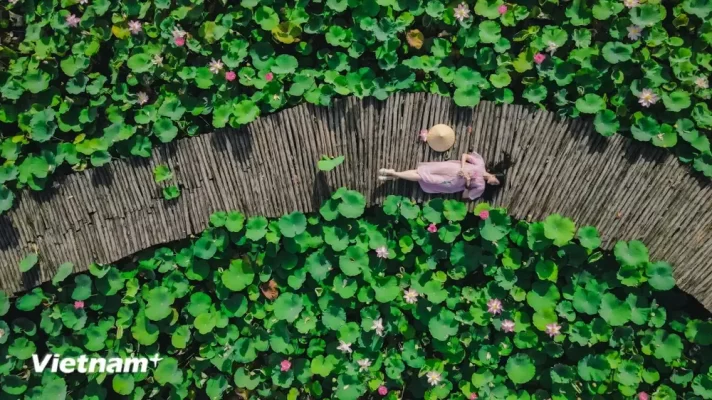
{"x": 441, "y": 137}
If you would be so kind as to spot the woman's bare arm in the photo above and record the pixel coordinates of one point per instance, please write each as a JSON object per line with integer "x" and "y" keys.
{"x": 466, "y": 194}
{"x": 463, "y": 161}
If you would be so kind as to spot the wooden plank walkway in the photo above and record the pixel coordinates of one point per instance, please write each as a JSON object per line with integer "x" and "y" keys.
{"x": 629, "y": 190}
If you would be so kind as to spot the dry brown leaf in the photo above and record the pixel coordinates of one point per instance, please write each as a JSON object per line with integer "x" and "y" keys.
{"x": 415, "y": 38}
{"x": 269, "y": 289}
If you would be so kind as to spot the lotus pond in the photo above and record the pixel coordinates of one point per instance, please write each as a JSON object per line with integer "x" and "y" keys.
{"x": 85, "y": 81}
{"x": 399, "y": 302}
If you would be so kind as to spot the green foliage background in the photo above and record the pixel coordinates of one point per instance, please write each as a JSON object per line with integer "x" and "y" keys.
{"x": 200, "y": 307}
{"x": 70, "y": 94}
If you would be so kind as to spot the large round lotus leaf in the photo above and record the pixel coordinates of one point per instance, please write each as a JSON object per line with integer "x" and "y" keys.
{"x": 702, "y": 386}
{"x": 318, "y": 266}
{"x": 82, "y": 288}
{"x": 520, "y": 369}
{"x": 594, "y": 368}
{"x": 158, "y": 303}
{"x": 559, "y": 229}
{"x": 433, "y": 210}
{"x": 234, "y": 221}
{"x": 386, "y": 289}
{"x": 238, "y": 276}
{"x": 349, "y": 387}
{"x": 629, "y": 373}
{"x": 247, "y": 379}
{"x": 181, "y": 337}
{"x": 668, "y": 346}
{"x": 660, "y": 275}
{"x": 123, "y": 384}
{"x": 614, "y": 311}
{"x": 14, "y": 385}
{"x": 631, "y": 253}
{"x": 256, "y": 228}
{"x": 588, "y": 237}
{"x": 699, "y": 332}
{"x": 22, "y": 349}
{"x": 543, "y": 296}
{"x": 336, "y": 237}
{"x": 443, "y": 325}
{"x": 168, "y": 372}
{"x": 288, "y": 306}
{"x": 216, "y": 386}
{"x": 349, "y": 333}
{"x": 454, "y": 210}
{"x": 587, "y": 301}
{"x": 205, "y": 323}
{"x": 204, "y": 248}
{"x": 353, "y": 261}
{"x": 496, "y": 226}
{"x": 94, "y": 338}
{"x": 245, "y": 351}
{"x": 292, "y": 224}
{"x": 199, "y": 303}
{"x": 352, "y": 204}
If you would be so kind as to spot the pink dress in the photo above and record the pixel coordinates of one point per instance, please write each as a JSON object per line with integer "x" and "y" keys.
{"x": 442, "y": 177}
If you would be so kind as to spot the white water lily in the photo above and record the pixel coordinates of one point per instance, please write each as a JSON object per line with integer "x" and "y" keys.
{"x": 141, "y": 98}
{"x": 634, "y": 32}
{"x": 551, "y": 47}
{"x": 344, "y": 347}
{"x": 434, "y": 378}
{"x": 702, "y": 82}
{"x": 157, "y": 60}
{"x": 178, "y": 32}
{"x": 378, "y": 326}
{"x": 411, "y": 296}
{"x": 216, "y": 66}
{"x": 364, "y": 363}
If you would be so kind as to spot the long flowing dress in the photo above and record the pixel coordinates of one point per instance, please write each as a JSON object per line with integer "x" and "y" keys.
{"x": 442, "y": 176}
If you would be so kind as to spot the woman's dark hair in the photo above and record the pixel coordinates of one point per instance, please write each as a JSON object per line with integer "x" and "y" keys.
{"x": 499, "y": 170}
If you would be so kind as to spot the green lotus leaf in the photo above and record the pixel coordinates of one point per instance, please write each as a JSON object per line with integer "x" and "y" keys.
{"x": 590, "y": 104}
{"x": 660, "y": 276}
{"x": 238, "y": 276}
{"x": 631, "y": 253}
{"x": 328, "y": 163}
{"x": 647, "y": 14}
{"x": 352, "y": 204}
{"x": 535, "y": 93}
{"x": 677, "y": 100}
{"x": 699, "y": 332}
{"x": 559, "y": 229}
{"x": 700, "y": 8}
{"x": 28, "y": 262}
{"x": 165, "y": 130}
{"x": 158, "y": 303}
{"x": 520, "y": 369}
{"x": 285, "y": 64}
{"x": 543, "y": 296}
{"x": 490, "y": 31}
{"x": 594, "y": 368}
{"x": 443, "y": 325}
{"x": 668, "y": 346}
{"x": 6, "y": 198}
{"x": 22, "y": 348}
{"x": 614, "y": 311}
{"x": 467, "y": 96}
{"x": 616, "y": 52}
{"x": 292, "y": 224}
{"x": 168, "y": 372}
{"x": 606, "y": 123}
{"x": 702, "y": 386}
{"x": 246, "y": 380}
{"x": 288, "y": 306}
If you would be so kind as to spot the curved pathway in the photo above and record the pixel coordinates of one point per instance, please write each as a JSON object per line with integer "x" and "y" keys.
{"x": 627, "y": 189}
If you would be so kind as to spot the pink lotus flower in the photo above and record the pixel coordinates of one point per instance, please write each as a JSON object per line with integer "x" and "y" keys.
{"x": 484, "y": 214}
{"x": 382, "y": 252}
{"x": 553, "y": 329}
{"x": 643, "y": 396}
{"x": 539, "y": 58}
{"x": 473, "y": 396}
{"x": 269, "y": 76}
{"x": 462, "y": 12}
{"x": 423, "y": 135}
{"x": 432, "y": 228}
{"x": 78, "y": 305}
{"x": 179, "y": 41}
{"x": 410, "y": 296}
{"x": 135, "y": 27}
{"x": 382, "y": 390}
{"x": 72, "y": 20}
{"x": 285, "y": 365}
{"x": 494, "y": 306}
{"x": 646, "y": 98}
{"x": 508, "y": 325}
{"x": 502, "y": 10}
{"x": 230, "y": 76}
